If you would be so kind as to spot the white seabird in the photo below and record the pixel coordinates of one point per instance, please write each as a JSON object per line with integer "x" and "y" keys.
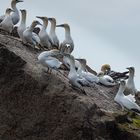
{"x": 47, "y": 59}
{"x": 106, "y": 79}
{"x": 74, "y": 79}
{"x": 22, "y": 27}
{"x": 130, "y": 85}
{"x": 68, "y": 40}
{"x": 7, "y": 23}
{"x": 126, "y": 101}
{"x": 87, "y": 75}
{"x": 45, "y": 40}
{"x": 15, "y": 14}
{"x": 52, "y": 33}
{"x": 29, "y": 36}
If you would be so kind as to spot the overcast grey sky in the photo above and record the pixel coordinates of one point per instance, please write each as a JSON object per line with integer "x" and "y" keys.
{"x": 104, "y": 31}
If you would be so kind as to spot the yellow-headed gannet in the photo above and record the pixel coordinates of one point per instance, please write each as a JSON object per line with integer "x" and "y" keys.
{"x": 106, "y": 79}
{"x": 22, "y": 27}
{"x": 68, "y": 43}
{"x": 87, "y": 75}
{"x": 130, "y": 85}
{"x": 74, "y": 78}
{"x": 52, "y": 33}
{"x": 15, "y": 15}
{"x": 117, "y": 76}
{"x": 7, "y": 23}
{"x": 29, "y": 36}
{"x": 126, "y": 101}
{"x": 45, "y": 40}
{"x": 47, "y": 59}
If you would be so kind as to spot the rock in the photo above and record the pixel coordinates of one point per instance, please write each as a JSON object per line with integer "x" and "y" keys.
{"x": 39, "y": 106}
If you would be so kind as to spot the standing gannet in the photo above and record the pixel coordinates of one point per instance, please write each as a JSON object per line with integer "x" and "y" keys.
{"x": 74, "y": 79}
{"x": 15, "y": 15}
{"x": 52, "y": 33}
{"x": 126, "y": 101}
{"x": 45, "y": 40}
{"x": 68, "y": 43}
{"x": 47, "y": 59}
{"x": 87, "y": 75}
{"x": 29, "y": 36}
{"x": 117, "y": 76}
{"x": 106, "y": 79}
{"x": 130, "y": 85}
{"x": 7, "y": 23}
{"x": 22, "y": 27}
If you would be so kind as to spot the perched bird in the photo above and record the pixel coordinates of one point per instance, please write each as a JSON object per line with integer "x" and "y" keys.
{"x": 45, "y": 40}
{"x": 47, "y": 59}
{"x": 126, "y": 101}
{"x": 52, "y": 33}
{"x": 74, "y": 79}
{"x": 7, "y": 23}
{"x": 130, "y": 85}
{"x": 28, "y": 35}
{"x": 22, "y": 27}
{"x": 67, "y": 45}
{"x": 117, "y": 76}
{"x": 106, "y": 79}
{"x": 87, "y": 75}
{"x": 15, "y": 15}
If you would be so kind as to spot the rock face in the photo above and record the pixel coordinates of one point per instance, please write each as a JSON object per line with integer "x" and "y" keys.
{"x": 35, "y": 105}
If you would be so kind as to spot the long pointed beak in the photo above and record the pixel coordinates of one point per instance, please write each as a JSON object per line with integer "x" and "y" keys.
{"x": 60, "y": 25}
{"x": 39, "y": 23}
{"x": 128, "y": 68}
{"x": 39, "y": 17}
{"x": 49, "y": 18}
{"x": 20, "y": 1}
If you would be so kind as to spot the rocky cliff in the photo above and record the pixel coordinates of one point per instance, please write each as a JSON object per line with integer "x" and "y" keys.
{"x": 35, "y": 105}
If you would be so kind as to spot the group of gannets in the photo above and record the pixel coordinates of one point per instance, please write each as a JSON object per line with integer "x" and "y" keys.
{"x": 78, "y": 75}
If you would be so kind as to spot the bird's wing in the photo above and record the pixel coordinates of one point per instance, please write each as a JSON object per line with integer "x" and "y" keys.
{"x": 2, "y": 18}
{"x": 53, "y": 62}
{"x": 131, "y": 97}
{"x": 35, "y": 38}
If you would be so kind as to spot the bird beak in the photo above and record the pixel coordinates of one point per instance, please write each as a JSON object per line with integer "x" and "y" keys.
{"x": 128, "y": 68}
{"x": 39, "y": 17}
{"x": 39, "y": 23}
{"x": 49, "y": 18}
{"x": 19, "y": 1}
{"x": 60, "y": 25}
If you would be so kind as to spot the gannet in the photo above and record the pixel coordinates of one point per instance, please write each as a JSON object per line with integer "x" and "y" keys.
{"x": 7, "y": 23}
{"x": 29, "y": 36}
{"x": 68, "y": 42}
{"x": 22, "y": 27}
{"x": 47, "y": 59}
{"x": 130, "y": 85}
{"x": 106, "y": 79}
{"x": 45, "y": 40}
{"x": 87, "y": 75}
{"x": 52, "y": 33}
{"x": 117, "y": 76}
{"x": 74, "y": 79}
{"x": 126, "y": 101}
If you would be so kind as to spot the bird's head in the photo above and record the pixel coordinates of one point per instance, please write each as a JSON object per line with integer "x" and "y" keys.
{"x": 106, "y": 68}
{"x": 122, "y": 83}
{"x": 9, "y": 10}
{"x": 65, "y": 25}
{"x": 35, "y": 23}
{"x": 131, "y": 69}
{"x": 52, "y": 20}
{"x": 100, "y": 74}
{"x": 16, "y": 1}
{"x": 23, "y": 11}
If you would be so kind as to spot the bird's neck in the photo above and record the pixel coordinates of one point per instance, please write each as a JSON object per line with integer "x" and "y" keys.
{"x": 80, "y": 68}
{"x": 67, "y": 32}
{"x": 121, "y": 90}
{"x": 13, "y": 5}
{"x": 23, "y": 20}
{"x": 131, "y": 76}
{"x": 72, "y": 67}
{"x": 32, "y": 27}
{"x": 45, "y": 24}
{"x": 7, "y": 14}
{"x": 52, "y": 30}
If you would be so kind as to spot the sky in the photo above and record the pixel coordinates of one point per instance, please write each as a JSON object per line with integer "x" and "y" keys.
{"x": 104, "y": 31}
